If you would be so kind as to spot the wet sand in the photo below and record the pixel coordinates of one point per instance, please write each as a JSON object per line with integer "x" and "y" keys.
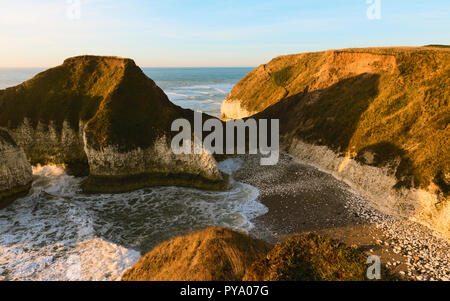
{"x": 302, "y": 199}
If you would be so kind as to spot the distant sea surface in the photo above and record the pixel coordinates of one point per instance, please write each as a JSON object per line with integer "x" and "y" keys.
{"x": 200, "y": 89}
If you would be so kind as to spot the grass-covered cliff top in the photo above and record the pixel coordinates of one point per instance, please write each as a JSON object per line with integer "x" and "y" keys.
{"x": 375, "y": 104}
{"x": 215, "y": 254}
{"x": 120, "y": 105}
{"x": 288, "y": 75}
{"x": 220, "y": 254}
{"x": 310, "y": 257}
{"x": 72, "y": 92}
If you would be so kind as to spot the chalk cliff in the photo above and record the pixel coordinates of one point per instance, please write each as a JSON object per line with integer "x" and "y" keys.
{"x": 102, "y": 117}
{"x": 377, "y": 118}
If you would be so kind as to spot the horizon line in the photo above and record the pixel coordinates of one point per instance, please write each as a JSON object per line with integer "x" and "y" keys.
{"x": 48, "y": 67}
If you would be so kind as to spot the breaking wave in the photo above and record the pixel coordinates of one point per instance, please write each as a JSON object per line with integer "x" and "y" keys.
{"x": 58, "y": 233}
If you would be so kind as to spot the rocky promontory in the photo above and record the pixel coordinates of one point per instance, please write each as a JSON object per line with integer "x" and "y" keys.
{"x": 102, "y": 117}
{"x": 15, "y": 171}
{"x": 214, "y": 254}
{"x": 221, "y": 254}
{"x": 376, "y": 118}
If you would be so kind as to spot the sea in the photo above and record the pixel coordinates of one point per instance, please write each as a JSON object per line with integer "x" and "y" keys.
{"x": 59, "y": 233}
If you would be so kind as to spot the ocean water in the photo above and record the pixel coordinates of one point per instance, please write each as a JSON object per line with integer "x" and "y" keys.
{"x": 200, "y": 89}
{"x": 10, "y": 77}
{"x": 59, "y": 233}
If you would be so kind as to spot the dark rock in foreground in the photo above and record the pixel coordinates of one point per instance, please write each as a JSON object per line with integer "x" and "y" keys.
{"x": 310, "y": 257}
{"x": 15, "y": 171}
{"x": 215, "y": 254}
{"x": 103, "y": 117}
{"x": 219, "y": 254}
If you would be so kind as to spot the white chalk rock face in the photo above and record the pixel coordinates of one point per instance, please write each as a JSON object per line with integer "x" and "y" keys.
{"x": 233, "y": 109}
{"x": 115, "y": 171}
{"x": 15, "y": 171}
{"x": 377, "y": 184}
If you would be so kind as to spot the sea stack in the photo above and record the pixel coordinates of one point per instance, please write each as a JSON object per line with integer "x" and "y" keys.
{"x": 15, "y": 171}
{"x": 102, "y": 117}
{"x": 376, "y": 118}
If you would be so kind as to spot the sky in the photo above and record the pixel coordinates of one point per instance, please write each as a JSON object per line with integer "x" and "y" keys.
{"x": 169, "y": 33}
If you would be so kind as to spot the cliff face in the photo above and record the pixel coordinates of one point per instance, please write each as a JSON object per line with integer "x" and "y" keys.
{"x": 290, "y": 75}
{"x": 15, "y": 171}
{"x": 103, "y": 117}
{"x": 376, "y": 118}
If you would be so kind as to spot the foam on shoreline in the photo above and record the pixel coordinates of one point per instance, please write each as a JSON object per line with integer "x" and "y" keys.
{"x": 377, "y": 185}
{"x": 58, "y": 233}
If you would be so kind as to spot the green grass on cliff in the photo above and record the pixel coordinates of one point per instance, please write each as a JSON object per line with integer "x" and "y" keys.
{"x": 121, "y": 106}
{"x": 437, "y": 46}
{"x": 398, "y": 112}
{"x": 220, "y": 254}
{"x": 70, "y": 92}
{"x": 310, "y": 257}
{"x": 133, "y": 115}
{"x": 214, "y": 254}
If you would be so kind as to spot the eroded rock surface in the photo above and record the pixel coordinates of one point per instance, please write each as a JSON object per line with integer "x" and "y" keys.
{"x": 15, "y": 171}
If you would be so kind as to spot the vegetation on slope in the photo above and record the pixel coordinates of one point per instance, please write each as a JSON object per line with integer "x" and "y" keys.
{"x": 310, "y": 257}
{"x": 438, "y": 46}
{"x": 215, "y": 254}
{"x": 72, "y": 92}
{"x": 391, "y": 104}
{"x": 134, "y": 114}
{"x": 220, "y": 254}
{"x": 121, "y": 105}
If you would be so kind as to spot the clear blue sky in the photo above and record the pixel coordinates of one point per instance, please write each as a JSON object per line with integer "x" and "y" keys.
{"x": 206, "y": 32}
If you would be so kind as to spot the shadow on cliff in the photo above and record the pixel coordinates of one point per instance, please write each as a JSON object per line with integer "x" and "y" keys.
{"x": 325, "y": 117}
{"x": 387, "y": 154}
{"x": 332, "y": 116}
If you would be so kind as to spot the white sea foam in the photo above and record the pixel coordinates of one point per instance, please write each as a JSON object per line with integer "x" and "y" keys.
{"x": 203, "y": 93}
{"x": 58, "y": 233}
{"x": 181, "y": 95}
{"x": 210, "y": 88}
{"x": 230, "y": 166}
{"x": 219, "y": 90}
{"x": 212, "y": 101}
{"x": 201, "y": 87}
